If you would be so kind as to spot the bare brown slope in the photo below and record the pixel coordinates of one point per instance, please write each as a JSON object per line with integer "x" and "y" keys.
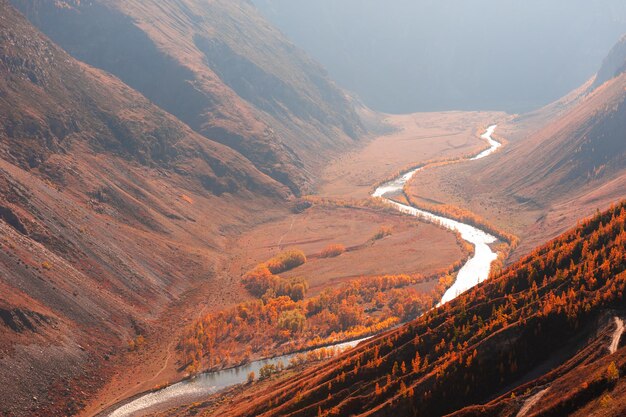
{"x": 219, "y": 67}
{"x": 110, "y": 210}
{"x": 559, "y": 164}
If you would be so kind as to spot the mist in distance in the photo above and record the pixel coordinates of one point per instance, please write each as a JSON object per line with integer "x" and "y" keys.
{"x": 403, "y": 56}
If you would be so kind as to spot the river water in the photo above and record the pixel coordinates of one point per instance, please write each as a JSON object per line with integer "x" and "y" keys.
{"x": 203, "y": 385}
{"x": 475, "y": 270}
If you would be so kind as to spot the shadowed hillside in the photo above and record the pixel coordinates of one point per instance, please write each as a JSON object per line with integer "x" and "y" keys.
{"x": 217, "y": 66}
{"x": 613, "y": 65}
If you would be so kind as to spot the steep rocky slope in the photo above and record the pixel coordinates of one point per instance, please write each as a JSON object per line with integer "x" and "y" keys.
{"x": 550, "y": 321}
{"x": 217, "y": 66}
{"x": 110, "y": 210}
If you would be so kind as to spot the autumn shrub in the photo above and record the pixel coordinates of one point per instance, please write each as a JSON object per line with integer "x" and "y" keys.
{"x": 137, "y": 343}
{"x": 349, "y": 315}
{"x": 286, "y": 261}
{"x": 261, "y": 283}
{"x": 606, "y": 400}
{"x": 332, "y": 251}
{"x": 292, "y": 320}
{"x": 260, "y": 280}
{"x": 268, "y": 370}
{"x": 612, "y": 373}
{"x": 294, "y": 288}
{"x": 382, "y": 233}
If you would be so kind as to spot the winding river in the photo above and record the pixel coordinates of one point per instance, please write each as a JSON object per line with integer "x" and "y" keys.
{"x": 475, "y": 270}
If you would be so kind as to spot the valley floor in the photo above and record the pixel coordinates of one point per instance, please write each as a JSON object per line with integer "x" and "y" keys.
{"x": 402, "y": 252}
{"x": 417, "y": 138}
{"x": 413, "y": 247}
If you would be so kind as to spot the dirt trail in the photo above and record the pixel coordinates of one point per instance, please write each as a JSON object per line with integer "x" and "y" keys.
{"x": 619, "y": 330}
{"x": 280, "y": 242}
{"x": 529, "y": 403}
{"x": 130, "y": 391}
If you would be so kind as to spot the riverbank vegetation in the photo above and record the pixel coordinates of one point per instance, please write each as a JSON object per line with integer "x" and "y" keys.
{"x": 278, "y": 324}
{"x": 487, "y": 338}
{"x": 368, "y": 203}
{"x": 465, "y": 216}
{"x": 282, "y": 319}
{"x": 382, "y": 233}
{"x": 286, "y": 261}
{"x": 263, "y": 280}
{"x": 432, "y": 163}
{"x": 453, "y": 212}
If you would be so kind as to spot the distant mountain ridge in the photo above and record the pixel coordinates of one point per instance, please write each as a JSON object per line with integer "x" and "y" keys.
{"x": 404, "y": 56}
{"x": 614, "y": 64}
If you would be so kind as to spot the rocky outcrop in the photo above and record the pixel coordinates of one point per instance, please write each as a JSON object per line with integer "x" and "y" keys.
{"x": 20, "y": 320}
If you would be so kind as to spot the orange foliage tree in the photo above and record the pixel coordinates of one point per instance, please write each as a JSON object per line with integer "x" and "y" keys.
{"x": 332, "y": 251}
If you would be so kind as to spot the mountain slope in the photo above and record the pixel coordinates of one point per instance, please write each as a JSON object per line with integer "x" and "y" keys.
{"x": 546, "y": 321}
{"x": 110, "y": 211}
{"x": 614, "y": 64}
{"x": 585, "y": 146}
{"x": 217, "y": 66}
{"x": 559, "y": 163}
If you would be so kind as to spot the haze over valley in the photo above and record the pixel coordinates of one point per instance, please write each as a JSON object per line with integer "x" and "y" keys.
{"x": 331, "y": 208}
{"x": 405, "y": 56}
